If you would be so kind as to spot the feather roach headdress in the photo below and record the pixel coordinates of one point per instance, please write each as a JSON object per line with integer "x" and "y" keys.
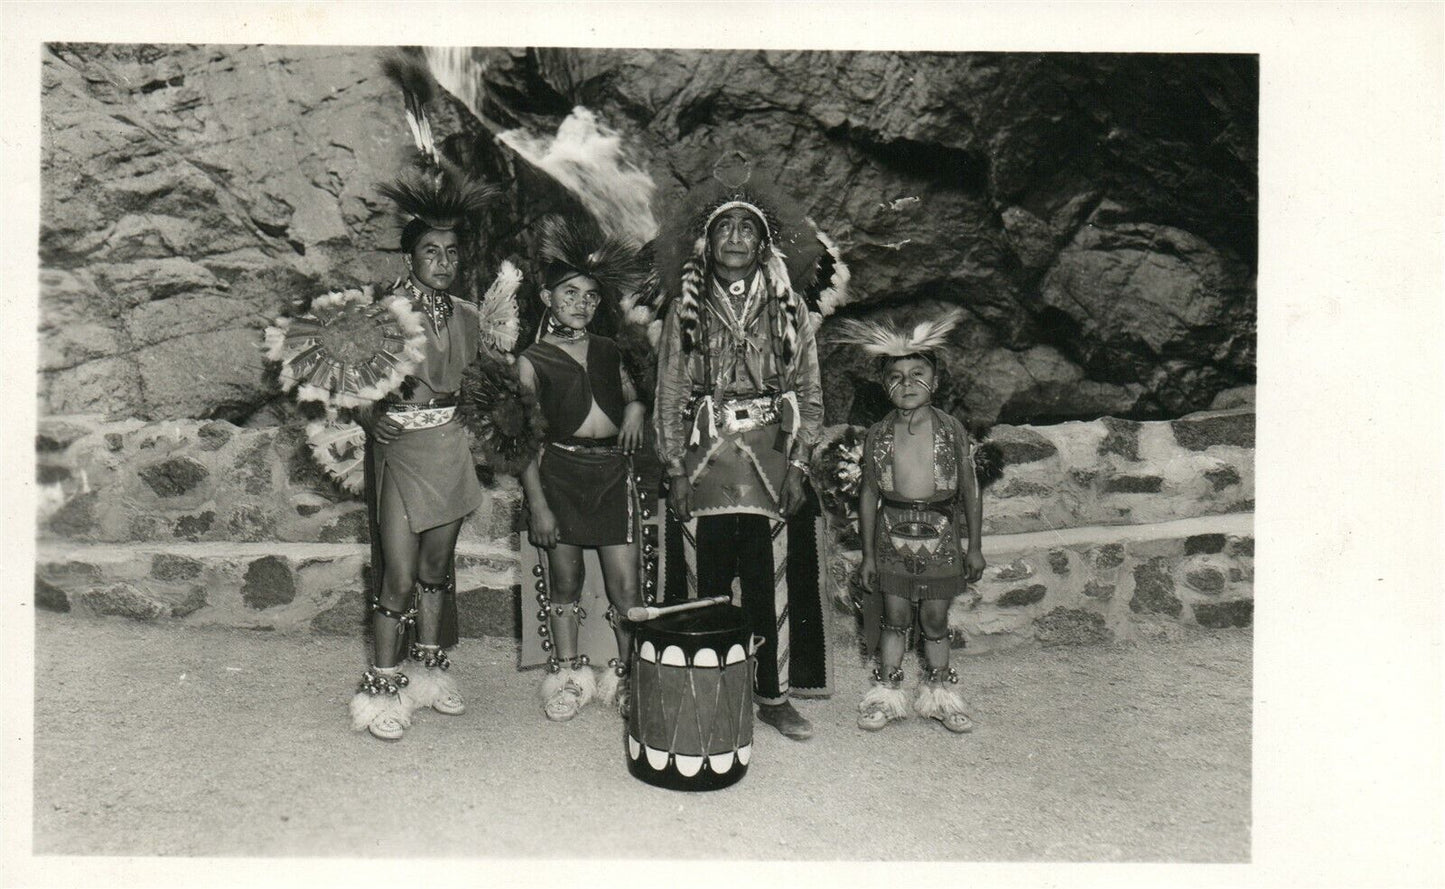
{"x": 571, "y": 246}
{"x": 802, "y": 268}
{"x": 442, "y": 197}
{"x": 887, "y": 343}
{"x": 436, "y": 193}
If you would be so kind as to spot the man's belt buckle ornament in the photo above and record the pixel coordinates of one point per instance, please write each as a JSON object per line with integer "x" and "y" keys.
{"x": 745, "y": 415}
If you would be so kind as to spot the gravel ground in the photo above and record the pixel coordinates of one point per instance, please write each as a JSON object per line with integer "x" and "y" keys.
{"x": 167, "y": 741}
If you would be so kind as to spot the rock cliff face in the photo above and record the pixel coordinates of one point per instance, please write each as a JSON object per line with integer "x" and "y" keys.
{"x": 1095, "y": 215}
{"x": 189, "y": 194}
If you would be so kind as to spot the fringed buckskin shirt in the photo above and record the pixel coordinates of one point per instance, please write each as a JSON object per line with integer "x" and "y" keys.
{"x": 743, "y": 365}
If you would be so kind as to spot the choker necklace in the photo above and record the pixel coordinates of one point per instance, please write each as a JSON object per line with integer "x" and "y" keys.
{"x": 436, "y": 305}
{"x": 562, "y": 331}
{"x": 738, "y": 287}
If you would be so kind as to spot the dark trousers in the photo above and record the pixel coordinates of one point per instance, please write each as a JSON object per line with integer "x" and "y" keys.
{"x": 741, "y": 545}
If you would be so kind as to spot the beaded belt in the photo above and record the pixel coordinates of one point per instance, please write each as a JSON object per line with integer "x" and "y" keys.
{"x": 422, "y": 416}
{"x": 942, "y": 507}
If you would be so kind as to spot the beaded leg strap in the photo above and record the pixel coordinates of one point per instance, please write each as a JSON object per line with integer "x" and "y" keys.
{"x": 406, "y": 618}
{"x": 433, "y": 588}
{"x": 939, "y": 675}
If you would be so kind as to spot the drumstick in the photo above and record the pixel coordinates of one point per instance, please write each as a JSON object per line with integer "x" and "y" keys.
{"x": 648, "y": 612}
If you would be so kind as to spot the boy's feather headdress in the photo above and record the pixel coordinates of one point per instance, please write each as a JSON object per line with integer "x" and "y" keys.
{"x": 881, "y": 340}
{"x": 443, "y": 197}
{"x": 571, "y": 246}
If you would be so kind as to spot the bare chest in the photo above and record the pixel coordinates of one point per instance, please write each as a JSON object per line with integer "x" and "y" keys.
{"x": 913, "y": 461}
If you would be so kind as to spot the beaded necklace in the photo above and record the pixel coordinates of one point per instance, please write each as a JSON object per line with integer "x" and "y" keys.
{"x": 436, "y": 305}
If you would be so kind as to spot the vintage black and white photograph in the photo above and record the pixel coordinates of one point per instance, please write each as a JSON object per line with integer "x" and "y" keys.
{"x": 548, "y": 452}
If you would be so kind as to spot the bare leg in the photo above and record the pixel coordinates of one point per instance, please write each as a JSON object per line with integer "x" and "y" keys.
{"x": 399, "y": 549}
{"x": 383, "y": 705}
{"x": 619, "y": 573}
{"x": 933, "y": 615}
{"x": 897, "y": 619}
{"x": 567, "y": 572}
{"x": 937, "y": 697}
{"x": 431, "y": 684}
{"x": 569, "y": 683}
{"x": 434, "y": 569}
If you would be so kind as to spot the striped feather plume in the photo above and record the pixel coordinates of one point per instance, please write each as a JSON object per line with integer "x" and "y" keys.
{"x": 886, "y": 341}
{"x": 407, "y": 68}
{"x": 689, "y": 307}
{"x": 830, "y": 289}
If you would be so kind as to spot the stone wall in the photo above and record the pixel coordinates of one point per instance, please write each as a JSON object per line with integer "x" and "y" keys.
{"x": 1094, "y": 530}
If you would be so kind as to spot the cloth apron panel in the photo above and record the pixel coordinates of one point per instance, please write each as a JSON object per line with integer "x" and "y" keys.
{"x": 590, "y": 494}
{"x": 741, "y": 472}
{"x": 433, "y": 472}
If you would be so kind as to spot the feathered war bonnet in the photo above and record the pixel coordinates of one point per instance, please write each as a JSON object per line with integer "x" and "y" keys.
{"x": 802, "y": 270}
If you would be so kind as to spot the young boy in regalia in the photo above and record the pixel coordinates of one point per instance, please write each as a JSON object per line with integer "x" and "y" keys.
{"x": 580, "y": 490}
{"x": 920, "y": 515}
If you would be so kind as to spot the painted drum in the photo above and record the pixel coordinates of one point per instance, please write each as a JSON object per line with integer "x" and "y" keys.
{"x": 691, "y": 720}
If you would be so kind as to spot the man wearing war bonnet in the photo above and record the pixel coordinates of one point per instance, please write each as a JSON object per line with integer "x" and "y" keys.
{"x": 739, "y": 409}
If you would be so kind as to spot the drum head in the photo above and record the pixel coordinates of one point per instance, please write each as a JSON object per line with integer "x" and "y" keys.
{"x": 701, "y": 625}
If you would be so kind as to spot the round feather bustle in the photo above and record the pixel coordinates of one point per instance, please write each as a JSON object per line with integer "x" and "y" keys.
{"x": 348, "y": 350}
{"x": 504, "y": 419}
{"x": 339, "y": 448}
